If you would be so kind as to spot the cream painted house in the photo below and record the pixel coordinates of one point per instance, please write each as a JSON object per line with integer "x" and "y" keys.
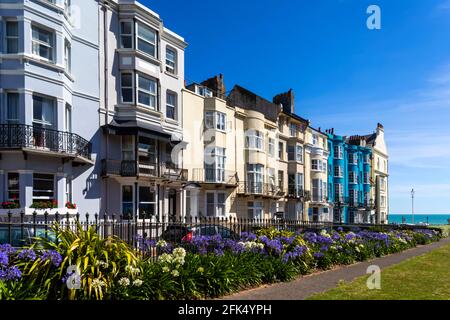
{"x": 316, "y": 160}
{"x": 380, "y": 173}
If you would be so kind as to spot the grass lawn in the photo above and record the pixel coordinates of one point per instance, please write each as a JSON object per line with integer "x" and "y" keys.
{"x": 426, "y": 277}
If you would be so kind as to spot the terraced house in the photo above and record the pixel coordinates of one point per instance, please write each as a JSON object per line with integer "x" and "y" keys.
{"x": 95, "y": 116}
{"x": 49, "y": 98}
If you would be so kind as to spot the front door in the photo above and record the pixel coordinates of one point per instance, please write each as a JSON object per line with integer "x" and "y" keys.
{"x": 315, "y": 214}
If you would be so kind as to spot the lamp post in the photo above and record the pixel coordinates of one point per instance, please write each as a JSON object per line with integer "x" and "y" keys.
{"x": 412, "y": 204}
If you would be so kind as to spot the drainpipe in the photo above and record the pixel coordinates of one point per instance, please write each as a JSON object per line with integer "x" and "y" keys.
{"x": 106, "y": 91}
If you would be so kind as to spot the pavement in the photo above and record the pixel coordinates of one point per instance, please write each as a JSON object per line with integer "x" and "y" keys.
{"x": 309, "y": 285}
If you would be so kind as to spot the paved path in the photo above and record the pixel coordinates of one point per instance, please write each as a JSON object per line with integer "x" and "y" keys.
{"x": 306, "y": 286}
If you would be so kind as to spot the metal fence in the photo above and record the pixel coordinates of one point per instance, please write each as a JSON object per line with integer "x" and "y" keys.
{"x": 20, "y": 230}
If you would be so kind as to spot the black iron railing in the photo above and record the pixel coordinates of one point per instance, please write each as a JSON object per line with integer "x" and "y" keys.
{"x": 21, "y": 230}
{"x": 20, "y": 136}
{"x": 296, "y": 193}
{"x": 132, "y": 168}
{"x": 260, "y": 189}
{"x": 216, "y": 176}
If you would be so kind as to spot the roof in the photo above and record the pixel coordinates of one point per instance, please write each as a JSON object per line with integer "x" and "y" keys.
{"x": 245, "y": 99}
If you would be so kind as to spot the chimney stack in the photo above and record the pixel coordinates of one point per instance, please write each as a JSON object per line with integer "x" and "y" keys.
{"x": 217, "y": 85}
{"x": 287, "y": 99}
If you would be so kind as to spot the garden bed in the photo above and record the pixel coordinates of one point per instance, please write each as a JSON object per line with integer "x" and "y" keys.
{"x": 206, "y": 267}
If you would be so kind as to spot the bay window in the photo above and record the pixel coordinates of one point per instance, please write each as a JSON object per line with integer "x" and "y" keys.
{"x": 352, "y": 158}
{"x": 338, "y": 171}
{"x": 42, "y": 43}
{"x": 255, "y": 178}
{"x": 127, "y": 148}
{"x": 299, "y": 153}
{"x": 43, "y": 112}
{"x": 126, "y": 85}
{"x": 352, "y": 177}
{"x": 12, "y": 37}
{"x": 338, "y": 192}
{"x": 126, "y": 34}
{"x": 67, "y": 56}
{"x": 338, "y": 152}
{"x": 147, "y": 92}
{"x": 146, "y": 39}
{"x": 215, "y": 120}
{"x": 254, "y": 140}
{"x": 215, "y": 164}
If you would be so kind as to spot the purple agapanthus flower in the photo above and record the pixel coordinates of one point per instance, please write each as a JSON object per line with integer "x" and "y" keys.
{"x": 53, "y": 256}
{"x": 27, "y": 254}
{"x": 10, "y": 274}
{"x": 4, "y": 259}
{"x": 318, "y": 255}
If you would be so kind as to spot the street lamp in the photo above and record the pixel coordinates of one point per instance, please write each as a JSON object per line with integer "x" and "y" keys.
{"x": 412, "y": 204}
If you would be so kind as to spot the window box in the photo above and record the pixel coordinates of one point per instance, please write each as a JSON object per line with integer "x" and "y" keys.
{"x": 10, "y": 205}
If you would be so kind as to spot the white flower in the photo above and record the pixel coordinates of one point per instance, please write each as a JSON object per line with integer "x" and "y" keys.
{"x": 161, "y": 243}
{"x": 165, "y": 258}
{"x": 137, "y": 283}
{"x": 132, "y": 271}
{"x": 165, "y": 269}
{"x": 124, "y": 282}
{"x": 97, "y": 283}
{"x": 103, "y": 264}
{"x": 175, "y": 273}
{"x": 179, "y": 252}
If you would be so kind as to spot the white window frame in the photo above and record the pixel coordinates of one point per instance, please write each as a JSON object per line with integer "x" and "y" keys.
{"x": 271, "y": 147}
{"x": 299, "y": 153}
{"x": 154, "y": 202}
{"x": 366, "y": 177}
{"x": 219, "y": 207}
{"x": 255, "y": 175}
{"x": 257, "y": 209}
{"x": 254, "y": 140}
{"x": 36, "y": 42}
{"x": 48, "y": 125}
{"x": 11, "y": 37}
{"x": 352, "y": 177}
{"x": 353, "y": 158}
{"x": 218, "y": 166}
{"x": 68, "y": 56}
{"x": 138, "y": 37}
{"x": 69, "y": 190}
{"x": 146, "y": 91}
{"x": 338, "y": 152}
{"x": 171, "y": 65}
{"x": 293, "y": 130}
{"x": 174, "y": 106}
{"x": 367, "y": 159}
{"x": 216, "y": 120}
{"x": 68, "y": 118}
{"x": 53, "y": 191}
{"x": 127, "y": 35}
{"x": 339, "y": 171}
{"x": 338, "y": 192}
{"x": 132, "y": 202}
{"x": 280, "y": 150}
{"x": 122, "y": 87}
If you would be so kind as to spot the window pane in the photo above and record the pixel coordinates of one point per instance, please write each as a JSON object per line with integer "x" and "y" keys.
{"x": 146, "y": 33}
{"x": 13, "y": 107}
{"x": 127, "y": 80}
{"x": 126, "y": 27}
{"x": 146, "y": 194}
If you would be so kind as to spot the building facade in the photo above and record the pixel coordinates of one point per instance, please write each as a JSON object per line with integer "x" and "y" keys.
{"x": 141, "y": 116}
{"x": 49, "y": 103}
{"x": 95, "y": 116}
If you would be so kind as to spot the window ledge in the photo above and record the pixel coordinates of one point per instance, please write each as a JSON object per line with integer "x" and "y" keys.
{"x": 172, "y": 121}
{"x": 175, "y": 76}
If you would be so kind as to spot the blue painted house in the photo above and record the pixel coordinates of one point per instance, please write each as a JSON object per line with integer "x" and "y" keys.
{"x": 349, "y": 182}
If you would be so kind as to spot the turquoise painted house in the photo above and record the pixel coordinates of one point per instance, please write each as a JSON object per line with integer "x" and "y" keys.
{"x": 349, "y": 179}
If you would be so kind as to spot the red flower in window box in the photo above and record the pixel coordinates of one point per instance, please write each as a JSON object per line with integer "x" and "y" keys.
{"x": 10, "y": 205}
{"x": 70, "y": 205}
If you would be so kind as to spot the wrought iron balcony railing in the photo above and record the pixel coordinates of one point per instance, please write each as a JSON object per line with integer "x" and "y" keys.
{"x": 297, "y": 193}
{"x": 260, "y": 189}
{"x": 215, "y": 176}
{"x": 21, "y": 136}
{"x": 132, "y": 168}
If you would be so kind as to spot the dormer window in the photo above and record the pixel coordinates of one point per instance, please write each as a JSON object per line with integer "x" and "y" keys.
{"x": 203, "y": 91}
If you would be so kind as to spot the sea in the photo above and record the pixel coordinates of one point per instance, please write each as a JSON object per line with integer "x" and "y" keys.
{"x": 432, "y": 219}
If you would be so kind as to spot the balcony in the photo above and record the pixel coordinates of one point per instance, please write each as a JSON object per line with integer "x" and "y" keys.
{"x": 295, "y": 193}
{"x": 132, "y": 168}
{"x": 42, "y": 140}
{"x": 260, "y": 189}
{"x": 215, "y": 176}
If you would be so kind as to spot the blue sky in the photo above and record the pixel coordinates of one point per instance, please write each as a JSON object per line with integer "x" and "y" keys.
{"x": 344, "y": 75}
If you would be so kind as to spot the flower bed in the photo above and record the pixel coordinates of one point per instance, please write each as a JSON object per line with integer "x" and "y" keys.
{"x": 206, "y": 267}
